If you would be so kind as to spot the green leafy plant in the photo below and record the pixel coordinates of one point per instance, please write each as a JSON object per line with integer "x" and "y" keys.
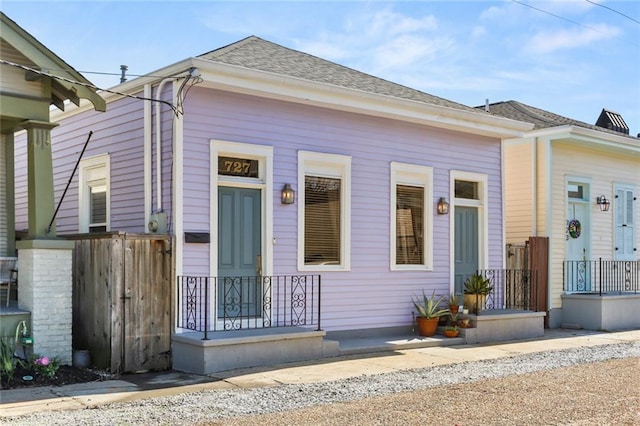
{"x": 429, "y": 307}
{"x": 453, "y": 316}
{"x": 453, "y": 299}
{"x": 451, "y": 328}
{"x": 44, "y": 365}
{"x": 477, "y": 284}
{"x": 7, "y": 364}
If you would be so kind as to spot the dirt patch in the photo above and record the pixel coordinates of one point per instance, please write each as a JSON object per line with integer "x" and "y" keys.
{"x": 66, "y": 375}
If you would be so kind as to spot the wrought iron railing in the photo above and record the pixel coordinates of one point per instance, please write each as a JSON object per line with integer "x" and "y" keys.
{"x": 511, "y": 289}
{"x": 601, "y": 276}
{"x": 235, "y": 303}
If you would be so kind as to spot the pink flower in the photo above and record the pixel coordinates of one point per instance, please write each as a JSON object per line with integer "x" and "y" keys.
{"x": 42, "y": 361}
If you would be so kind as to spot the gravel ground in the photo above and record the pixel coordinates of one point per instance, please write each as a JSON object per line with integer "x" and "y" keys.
{"x": 583, "y": 386}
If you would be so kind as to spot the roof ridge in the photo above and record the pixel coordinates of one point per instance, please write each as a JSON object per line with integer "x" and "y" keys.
{"x": 295, "y": 63}
{"x": 230, "y": 47}
{"x": 527, "y": 109}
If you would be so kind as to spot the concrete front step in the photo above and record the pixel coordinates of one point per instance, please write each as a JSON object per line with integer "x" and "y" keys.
{"x": 394, "y": 343}
{"x": 247, "y": 348}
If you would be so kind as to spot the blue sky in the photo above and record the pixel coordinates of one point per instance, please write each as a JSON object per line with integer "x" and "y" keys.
{"x": 571, "y": 57}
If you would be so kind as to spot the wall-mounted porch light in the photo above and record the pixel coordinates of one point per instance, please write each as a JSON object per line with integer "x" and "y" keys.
{"x": 443, "y": 206}
{"x": 288, "y": 195}
{"x": 603, "y": 203}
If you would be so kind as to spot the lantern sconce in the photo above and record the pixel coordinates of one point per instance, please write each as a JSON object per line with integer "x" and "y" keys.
{"x": 288, "y": 195}
{"x": 603, "y": 203}
{"x": 443, "y": 206}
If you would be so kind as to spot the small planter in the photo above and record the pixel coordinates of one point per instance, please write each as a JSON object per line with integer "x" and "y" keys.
{"x": 427, "y": 327}
{"x": 451, "y": 332}
{"x": 464, "y": 323}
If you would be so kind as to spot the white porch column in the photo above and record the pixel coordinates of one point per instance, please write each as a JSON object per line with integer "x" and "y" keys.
{"x": 46, "y": 291}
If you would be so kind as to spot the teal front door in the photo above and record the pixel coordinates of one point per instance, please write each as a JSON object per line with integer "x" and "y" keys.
{"x": 239, "y": 281}
{"x": 466, "y": 245}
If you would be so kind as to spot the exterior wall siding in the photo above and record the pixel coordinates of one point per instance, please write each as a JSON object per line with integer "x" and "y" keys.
{"x": 118, "y": 132}
{"x": 369, "y": 295}
{"x": 519, "y": 191}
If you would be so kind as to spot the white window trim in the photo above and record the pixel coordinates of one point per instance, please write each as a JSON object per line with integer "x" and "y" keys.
{"x": 84, "y": 193}
{"x": 419, "y": 176}
{"x": 332, "y": 166}
{"x": 482, "y": 203}
{"x": 264, "y": 181}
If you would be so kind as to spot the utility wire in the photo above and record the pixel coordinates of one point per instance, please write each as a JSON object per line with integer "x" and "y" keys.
{"x": 176, "y": 110}
{"x": 613, "y": 10}
{"x": 561, "y": 17}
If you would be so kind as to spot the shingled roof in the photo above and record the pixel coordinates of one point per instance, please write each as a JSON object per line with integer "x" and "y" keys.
{"x": 256, "y": 53}
{"x": 540, "y": 118}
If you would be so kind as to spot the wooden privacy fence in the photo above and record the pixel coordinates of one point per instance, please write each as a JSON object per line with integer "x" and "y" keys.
{"x": 533, "y": 255}
{"x": 122, "y": 300}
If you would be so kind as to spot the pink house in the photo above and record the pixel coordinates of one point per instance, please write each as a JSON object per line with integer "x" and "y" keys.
{"x": 262, "y": 161}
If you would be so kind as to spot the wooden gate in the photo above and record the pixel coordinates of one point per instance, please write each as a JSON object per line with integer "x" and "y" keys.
{"x": 533, "y": 255}
{"x": 122, "y": 300}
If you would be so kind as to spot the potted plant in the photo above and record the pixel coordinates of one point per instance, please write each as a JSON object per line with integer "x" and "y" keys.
{"x": 453, "y": 303}
{"x": 476, "y": 289}
{"x": 429, "y": 312}
{"x": 464, "y": 323}
{"x": 453, "y": 319}
{"x": 451, "y": 331}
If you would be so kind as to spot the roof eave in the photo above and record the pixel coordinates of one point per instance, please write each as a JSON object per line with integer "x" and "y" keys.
{"x": 44, "y": 58}
{"x": 590, "y": 136}
{"x": 277, "y": 86}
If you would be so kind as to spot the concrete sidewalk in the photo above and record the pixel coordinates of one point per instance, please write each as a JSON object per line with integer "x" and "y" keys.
{"x": 370, "y": 356}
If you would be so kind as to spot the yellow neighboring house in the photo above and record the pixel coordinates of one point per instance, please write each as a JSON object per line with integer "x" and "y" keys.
{"x": 578, "y": 185}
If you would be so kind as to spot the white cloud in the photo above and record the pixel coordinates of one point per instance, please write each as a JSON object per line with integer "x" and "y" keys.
{"x": 392, "y": 24}
{"x": 478, "y": 31}
{"x": 380, "y": 42}
{"x": 546, "y": 42}
{"x": 407, "y": 50}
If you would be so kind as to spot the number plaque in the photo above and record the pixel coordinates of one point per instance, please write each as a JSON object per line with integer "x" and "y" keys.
{"x": 230, "y": 166}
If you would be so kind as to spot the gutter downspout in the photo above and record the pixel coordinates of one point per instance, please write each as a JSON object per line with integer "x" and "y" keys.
{"x": 534, "y": 201}
{"x": 147, "y": 165}
{"x": 159, "y": 145}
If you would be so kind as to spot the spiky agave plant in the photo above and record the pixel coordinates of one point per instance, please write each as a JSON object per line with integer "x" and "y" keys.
{"x": 429, "y": 307}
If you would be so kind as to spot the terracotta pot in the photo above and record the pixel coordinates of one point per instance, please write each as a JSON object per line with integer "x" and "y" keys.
{"x": 454, "y": 309}
{"x": 451, "y": 333}
{"x": 427, "y": 327}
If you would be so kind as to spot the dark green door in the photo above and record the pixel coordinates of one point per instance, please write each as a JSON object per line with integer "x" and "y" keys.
{"x": 466, "y": 245}
{"x": 239, "y": 259}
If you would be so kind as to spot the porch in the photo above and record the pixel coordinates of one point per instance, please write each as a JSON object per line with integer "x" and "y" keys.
{"x": 235, "y": 322}
{"x": 250, "y": 321}
{"x": 601, "y": 294}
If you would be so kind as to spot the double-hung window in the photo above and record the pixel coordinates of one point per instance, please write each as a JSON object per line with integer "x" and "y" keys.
{"x": 324, "y": 211}
{"x": 93, "y": 197}
{"x": 411, "y": 211}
